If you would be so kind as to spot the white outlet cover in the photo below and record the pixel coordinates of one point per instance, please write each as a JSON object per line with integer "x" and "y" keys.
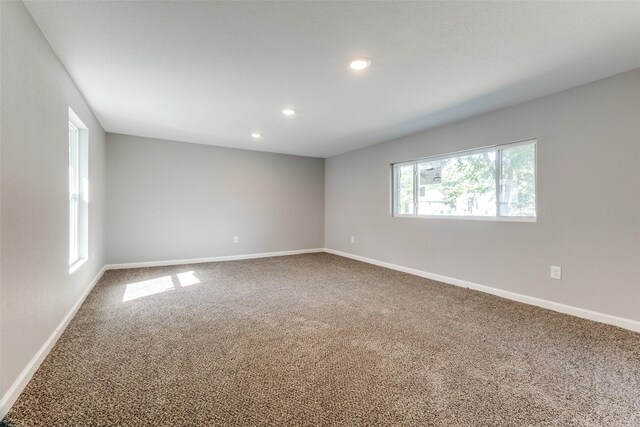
{"x": 353, "y": 239}
{"x": 556, "y": 272}
{"x": 235, "y": 239}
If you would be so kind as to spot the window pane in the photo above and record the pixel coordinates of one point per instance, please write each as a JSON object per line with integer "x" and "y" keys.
{"x": 462, "y": 186}
{"x": 431, "y": 196}
{"x": 518, "y": 181}
{"x": 74, "y": 173}
{"x": 73, "y": 231}
{"x": 404, "y": 189}
{"x": 74, "y": 169}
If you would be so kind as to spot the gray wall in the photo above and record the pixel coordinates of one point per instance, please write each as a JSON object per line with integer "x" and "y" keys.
{"x": 588, "y": 202}
{"x": 36, "y": 290}
{"x": 173, "y": 200}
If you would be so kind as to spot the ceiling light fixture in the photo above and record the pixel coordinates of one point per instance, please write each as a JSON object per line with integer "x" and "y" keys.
{"x": 256, "y": 135}
{"x": 288, "y": 112}
{"x": 359, "y": 64}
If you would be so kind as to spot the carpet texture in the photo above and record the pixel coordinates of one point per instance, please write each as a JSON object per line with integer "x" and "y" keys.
{"x": 323, "y": 340}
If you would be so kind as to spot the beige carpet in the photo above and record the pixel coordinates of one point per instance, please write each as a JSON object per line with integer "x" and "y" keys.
{"x": 322, "y": 340}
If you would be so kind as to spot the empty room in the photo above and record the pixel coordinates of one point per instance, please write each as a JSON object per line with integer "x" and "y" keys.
{"x": 319, "y": 213}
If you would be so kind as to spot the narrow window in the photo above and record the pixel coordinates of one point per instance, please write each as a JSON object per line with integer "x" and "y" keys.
{"x": 78, "y": 192}
{"x": 496, "y": 182}
{"x": 74, "y": 193}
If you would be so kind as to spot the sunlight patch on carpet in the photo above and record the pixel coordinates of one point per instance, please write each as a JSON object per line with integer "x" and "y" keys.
{"x": 148, "y": 287}
{"x": 187, "y": 279}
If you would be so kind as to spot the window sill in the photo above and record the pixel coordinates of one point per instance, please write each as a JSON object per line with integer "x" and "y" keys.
{"x": 76, "y": 265}
{"x": 473, "y": 218}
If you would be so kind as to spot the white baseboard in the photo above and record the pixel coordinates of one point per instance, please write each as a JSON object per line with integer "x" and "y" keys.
{"x": 621, "y": 322}
{"x": 210, "y": 259}
{"x": 25, "y": 376}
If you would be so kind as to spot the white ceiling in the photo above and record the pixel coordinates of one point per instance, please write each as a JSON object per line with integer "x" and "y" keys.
{"x": 213, "y": 72}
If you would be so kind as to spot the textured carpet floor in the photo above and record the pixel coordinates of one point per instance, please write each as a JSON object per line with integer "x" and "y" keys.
{"x": 322, "y": 340}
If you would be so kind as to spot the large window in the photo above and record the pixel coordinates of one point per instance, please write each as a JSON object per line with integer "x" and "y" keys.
{"x": 495, "y": 183}
{"x": 78, "y": 192}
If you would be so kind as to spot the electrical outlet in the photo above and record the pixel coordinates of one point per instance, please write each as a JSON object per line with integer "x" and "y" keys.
{"x": 235, "y": 239}
{"x": 353, "y": 239}
{"x": 556, "y": 272}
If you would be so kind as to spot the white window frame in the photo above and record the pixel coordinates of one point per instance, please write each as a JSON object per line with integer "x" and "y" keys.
{"x": 498, "y": 159}
{"x": 78, "y": 180}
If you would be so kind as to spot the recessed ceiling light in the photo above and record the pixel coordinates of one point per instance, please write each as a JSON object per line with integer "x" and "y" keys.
{"x": 256, "y": 135}
{"x": 288, "y": 112}
{"x": 359, "y": 63}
